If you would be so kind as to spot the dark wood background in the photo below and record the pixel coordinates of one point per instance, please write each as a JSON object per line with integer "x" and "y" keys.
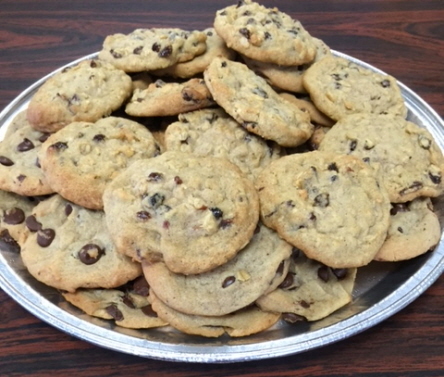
{"x": 402, "y": 37}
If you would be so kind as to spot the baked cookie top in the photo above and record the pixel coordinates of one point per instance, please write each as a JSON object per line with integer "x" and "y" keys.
{"x": 409, "y": 161}
{"x": 255, "y": 105}
{"x": 150, "y": 49}
{"x": 69, "y": 247}
{"x": 19, "y": 166}
{"x": 264, "y": 34}
{"x": 129, "y": 306}
{"x": 82, "y": 158}
{"x": 164, "y": 99}
{"x": 215, "y": 47}
{"x": 339, "y": 87}
{"x": 328, "y": 205}
{"x": 414, "y": 229}
{"x": 229, "y": 287}
{"x": 287, "y": 78}
{"x": 212, "y": 132}
{"x": 310, "y": 290}
{"x": 193, "y": 212}
{"x": 86, "y": 92}
{"x": 244, "y": 322}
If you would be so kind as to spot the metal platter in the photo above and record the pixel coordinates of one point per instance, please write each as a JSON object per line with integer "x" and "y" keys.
{"x": 382, "y": 289}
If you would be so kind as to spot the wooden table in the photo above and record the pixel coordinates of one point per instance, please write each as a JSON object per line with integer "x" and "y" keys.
{"x": 402, "y": 37}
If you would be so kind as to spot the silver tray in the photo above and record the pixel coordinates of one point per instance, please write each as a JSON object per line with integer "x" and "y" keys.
{"x": 382, "y": 289}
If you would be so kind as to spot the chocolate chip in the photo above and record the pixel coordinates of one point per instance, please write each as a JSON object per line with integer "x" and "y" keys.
{"x": 93, "y": 64}
{"x": 143, "y": 215}
{"x": 223, "y": 64}
{"x": 115, "y": 55}
{"x": 128, "y": 302}
{"x": 436, "y": 179}
{"x": 68, "y": 209}
{"x": 353, "y": 145}
{"x": 260, "y": 92}
{"x": 25, "y": 145}
{"x": 90, "y": 253}
{"x": 138, "y": 50}
{"x": 400, "y": 230}
{"x": 225, "y": 223}
{"x": 8, "y": 243}
{"x": 141, "y": 287}
{"x": 385, "y": 83}
{"x": 5, "y": 161}
{"x": 156, "y": 200}
{"x": 217, "y": 213}
{"x": 21, "y": 177}
{"x": 148, "y": 311}
{"x": 415, "y": 186}
{"x": 45, "y": 237}
{"x": 14, "y": 216}
{"x": 155, "y": 47}
{"x": 114, "y": 312}
{"x": 245, "y": 32}
{"x": 292, "y": 317}
{"x": 304, "y": 304}
{"x": 59, "y": 146}
{"x": 228, "y": 281}
{"x": 165, "y": 52}
{"x": 155, "y": 177}
{"x": 240, "y": 3}
{"x": 340, "y": 273}
{"x": 295, "y": 253}
{"x": 178, "y": 180}
{"x": 44, "y": 137}
{"x": 267, "y": 35}
{"x": 398, "y": 207}
{"x": 98, "y": 138}
{"x": 288, "y": 281}
{"x": 32, "y": 224}
{"x": 323, "y": 273}
{"x": 333, "y": 167}
{"x": 322, "y": 200}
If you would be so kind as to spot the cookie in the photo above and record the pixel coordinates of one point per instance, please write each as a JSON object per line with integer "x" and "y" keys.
{"x": 264, "y": 34}
{"x": 288, "y": 78}
{"x": 69, "y": 248}
{"x": 255, "y": 105}
{"x": 129, "y": 307}
{"x": 310, "y": 290}
{"x": 19, "y": 166}
{"x": 164, "y": 99}
{"x": 244, "y": 322}
{"x": 150, "y": 49}
{"x": 215, "y": 47}
{"x": 414, "y": 229}
{"x": 212, "y": 132}
{"x": 229, "y": 287}
{"x": 409, "y": 161}
{"x": 13, "y": 211}
{"x": 328, "y": 205}
{"x": 82, "y": 158}
{"x": 86, "y": 92}
{"x": 193, "y": 212}
{"x": 340, "y": 87}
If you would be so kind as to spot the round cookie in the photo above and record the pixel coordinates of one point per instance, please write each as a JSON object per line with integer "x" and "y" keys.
{"x": 414, "y": 229}
{"x": 328, "y": 205}
{"x": 287, "y": 78}
{"x": 244, "y": 322}
{"x": 229, "y": 287}
{"x": 13, "y": 211}
{"x": 339, "y": 87}
{"x": 19, "y": 166}
{"x": 264, "y": 34}
{"x": 212, "y": 132}
{"x": 193, "y": 212}
{"x": 215, "y": 47}
{"x": 163, "y": 99}
{"x": 69, "y": 248}
{"x": 409, "y": 161}
{"x": 150, "y": 49}
{"x": 128, "y": 307}
{"x": 310, "y": 290}
{"x": 82, "y": 158}
{"x": 255, "y": 105}
{"x": 86, "y": 92}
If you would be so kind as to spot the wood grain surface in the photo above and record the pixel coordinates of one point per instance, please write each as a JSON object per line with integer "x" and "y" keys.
{"x": 402, "y": 37}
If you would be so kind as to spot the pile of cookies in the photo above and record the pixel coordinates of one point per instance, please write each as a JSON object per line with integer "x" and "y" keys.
{"x": 216, "y": 181}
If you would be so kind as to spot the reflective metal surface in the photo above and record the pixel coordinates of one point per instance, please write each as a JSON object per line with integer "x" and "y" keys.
{"x": 382, "y": 289}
